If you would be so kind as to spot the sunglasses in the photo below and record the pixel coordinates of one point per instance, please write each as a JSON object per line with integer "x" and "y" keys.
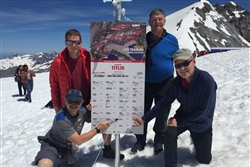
{"x": 69, "y": 42}
{"x": 184, "y": 64}
{"x": 72, "y": 101}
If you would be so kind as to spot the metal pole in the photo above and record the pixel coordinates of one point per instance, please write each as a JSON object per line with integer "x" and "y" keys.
{"x": 117, "y": 136}
{"x": 117, "y": 150}
{"x": 117, "y": 15}
{"x": 117, "y": 5}
{"x": 118, "y": 9}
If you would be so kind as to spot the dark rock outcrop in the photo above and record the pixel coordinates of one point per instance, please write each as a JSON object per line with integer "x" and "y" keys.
{"x": 236, "y": 16}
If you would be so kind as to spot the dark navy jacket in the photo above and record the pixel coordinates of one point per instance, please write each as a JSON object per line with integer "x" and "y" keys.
{"x": 197, "y": 106}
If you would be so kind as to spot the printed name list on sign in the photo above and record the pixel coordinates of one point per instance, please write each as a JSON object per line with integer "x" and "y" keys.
{"x": 117, "y": 74}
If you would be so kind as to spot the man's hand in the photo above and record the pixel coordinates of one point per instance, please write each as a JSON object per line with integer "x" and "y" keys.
{"x": 172, "y": 122}
{"x": 103, "y": 125}
{"x": 89, "y": 106}
{"x": 138, "y": 121}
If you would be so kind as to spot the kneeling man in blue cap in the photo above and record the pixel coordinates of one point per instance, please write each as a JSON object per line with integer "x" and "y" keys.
{"x": 59, "y": 145}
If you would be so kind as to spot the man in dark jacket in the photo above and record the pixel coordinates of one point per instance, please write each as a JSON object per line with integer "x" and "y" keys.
{"x": 195, "y": 90}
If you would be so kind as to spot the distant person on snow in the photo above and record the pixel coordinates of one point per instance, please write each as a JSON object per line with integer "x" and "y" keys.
{"x": 59, "y": 145}
{"x": 71, "y": 70}
{"x": 195, "y": 90}
{"x": 161, "y": 45}
{"x": 19, "y": 83}
{"x": 27, "y": 80}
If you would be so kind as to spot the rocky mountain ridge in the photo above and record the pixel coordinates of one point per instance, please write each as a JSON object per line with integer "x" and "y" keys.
{"x": 231, "y": 29}
{"x": 202, "y": 26}
{"x": 237, "y": 16}
{"x": 38, "y": 62}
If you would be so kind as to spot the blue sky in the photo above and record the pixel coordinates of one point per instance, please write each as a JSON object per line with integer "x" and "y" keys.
{"x": 30, "y": 26}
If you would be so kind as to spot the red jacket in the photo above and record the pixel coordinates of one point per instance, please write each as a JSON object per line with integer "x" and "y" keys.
{"x": 60, "y": 78}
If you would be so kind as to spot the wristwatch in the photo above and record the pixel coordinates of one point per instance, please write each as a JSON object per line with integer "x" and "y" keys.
{"x": 97, "y": 130}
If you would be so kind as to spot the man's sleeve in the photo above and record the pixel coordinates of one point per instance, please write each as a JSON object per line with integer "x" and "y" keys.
{"x": 161, "y": 105}
{"x": 54, "y": 83}
{"x": 65, "y": 128}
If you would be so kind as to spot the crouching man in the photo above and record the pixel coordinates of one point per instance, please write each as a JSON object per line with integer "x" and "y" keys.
{"x": 195, "y": 90}
{"x": 59, "y": 145}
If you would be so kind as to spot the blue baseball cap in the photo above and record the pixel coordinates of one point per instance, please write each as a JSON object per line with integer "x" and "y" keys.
{"x": 74, "y": 95}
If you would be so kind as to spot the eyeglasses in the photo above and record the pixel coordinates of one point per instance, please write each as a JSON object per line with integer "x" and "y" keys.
{"x": 184, "y": 64}
{"x": 72, "y": 101}
{"x": 69, "y": 42}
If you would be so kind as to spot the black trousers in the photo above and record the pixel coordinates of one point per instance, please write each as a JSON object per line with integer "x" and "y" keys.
{"x": 202, "y": 143}
{"x": 154, "y": 92}
{"x": 20, "y": 86}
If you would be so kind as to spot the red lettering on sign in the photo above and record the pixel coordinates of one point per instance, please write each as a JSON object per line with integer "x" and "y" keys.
{"x": 117, "y": 67}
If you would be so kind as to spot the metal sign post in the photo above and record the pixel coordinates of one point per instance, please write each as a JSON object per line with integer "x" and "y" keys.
{"x": 117, "y": 150}
{"x": 118, "y": 13}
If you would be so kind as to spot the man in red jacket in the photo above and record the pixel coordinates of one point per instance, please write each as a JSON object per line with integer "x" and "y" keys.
{"x": 71, "y": 70}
